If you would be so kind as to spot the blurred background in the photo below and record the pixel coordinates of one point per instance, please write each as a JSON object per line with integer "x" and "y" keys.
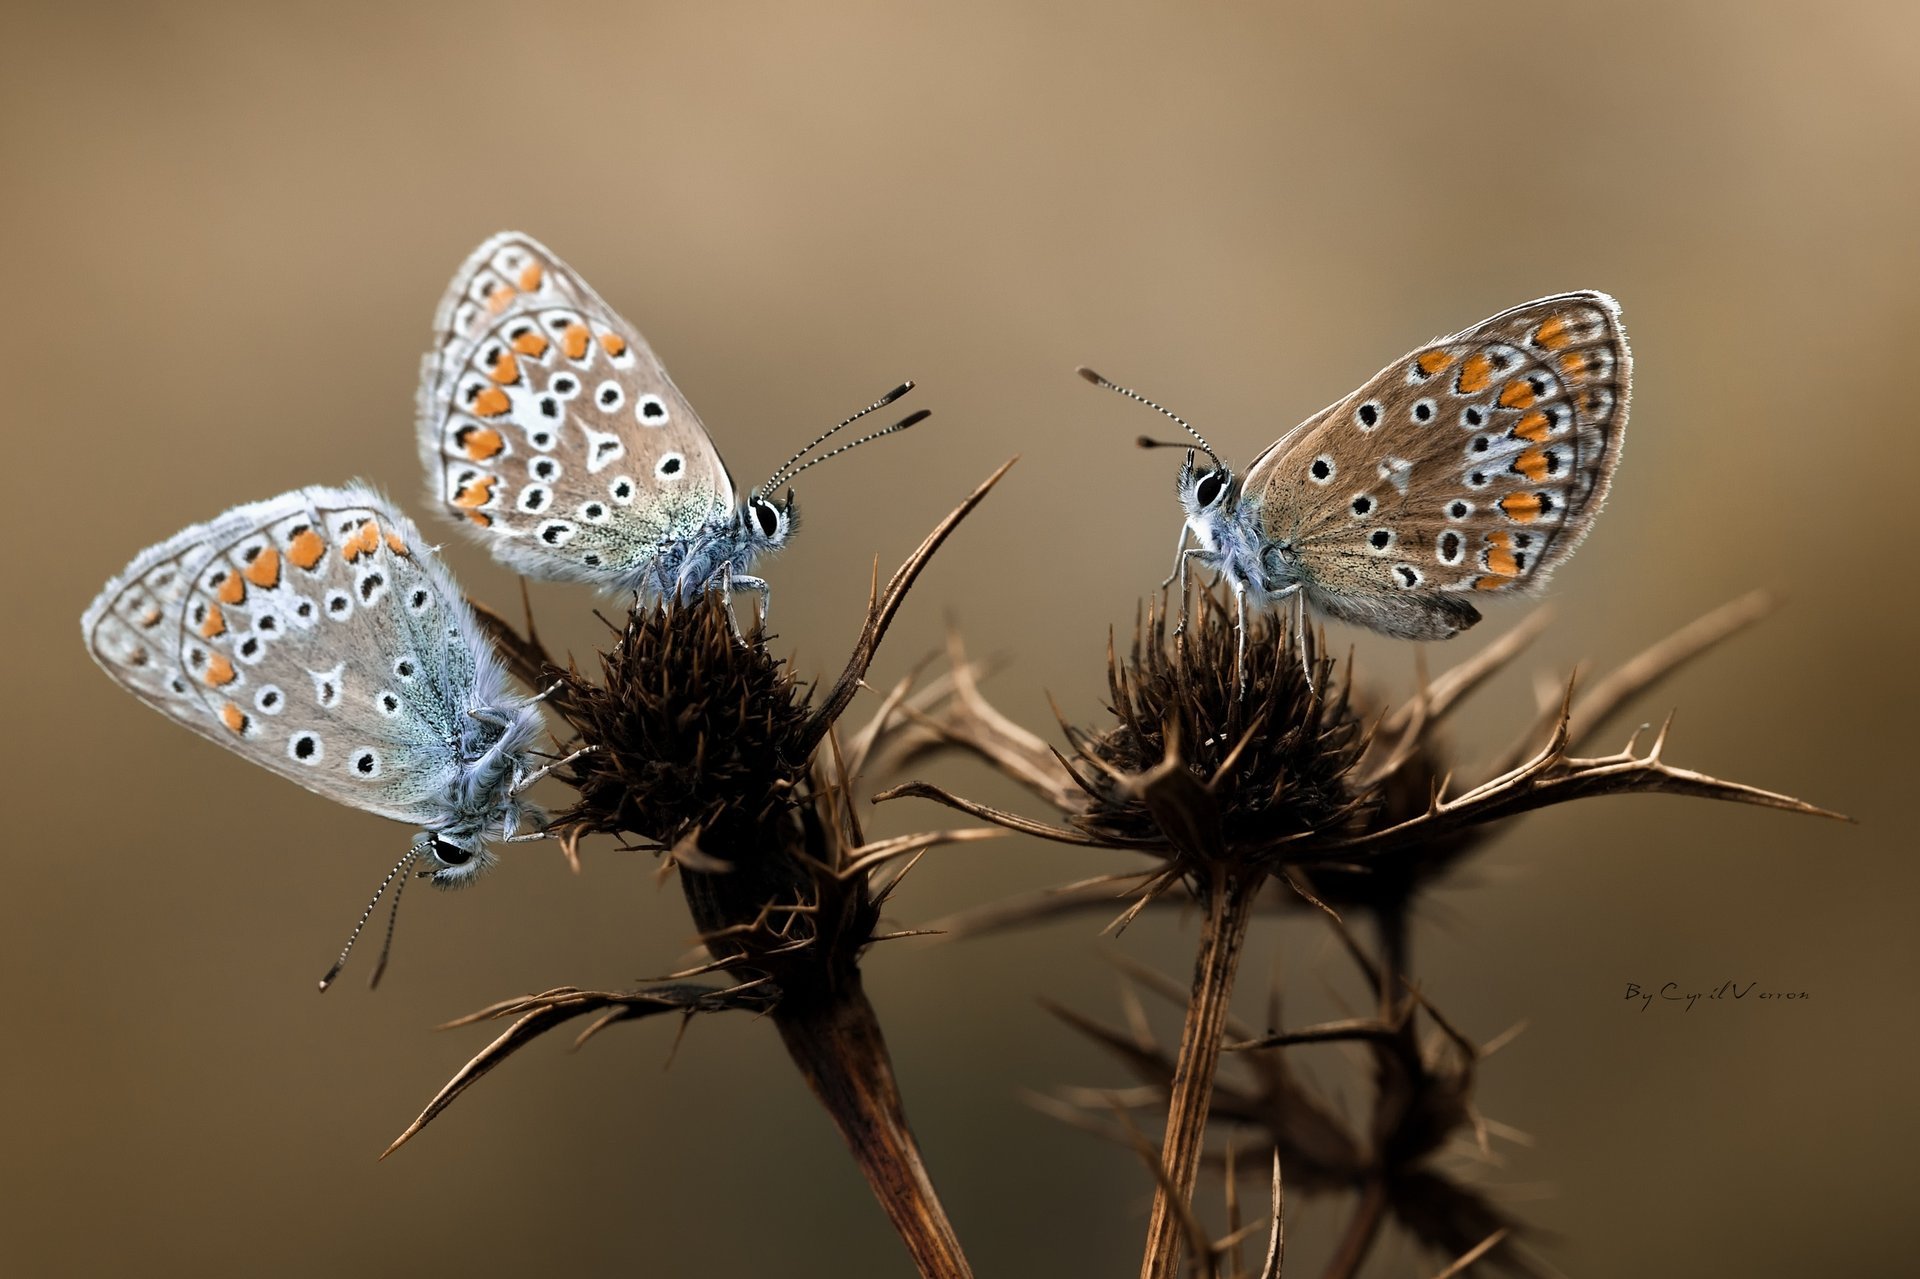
{"x": 229, "y": 226}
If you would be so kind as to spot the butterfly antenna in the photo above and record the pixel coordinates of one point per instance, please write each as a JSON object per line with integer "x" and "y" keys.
{"x": 367, "y": 914}
{"x": 911, "y": 419}
{"x": 784, "y": 474}
{"x": 1097, "y": 380}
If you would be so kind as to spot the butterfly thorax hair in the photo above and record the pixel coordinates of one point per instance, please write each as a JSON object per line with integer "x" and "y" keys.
{"x": 495, "y": 749}
{"x": 721, "y": 551}
{"x": 1231, "y": 542}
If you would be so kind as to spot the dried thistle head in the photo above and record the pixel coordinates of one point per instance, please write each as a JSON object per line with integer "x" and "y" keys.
{"x": 694, "y": 726}
{"x": 1273, "y": 749}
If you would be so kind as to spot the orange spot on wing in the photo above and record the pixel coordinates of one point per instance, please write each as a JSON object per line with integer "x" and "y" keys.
{"x": 1500, "y": 559}
{"x": 397, "y": 544}
{"x": 306, "y": 549}
{"x": 233, "y": 717}
{"x": 1553, "y": 334}
{"x": 216, "y": 623}
{"x": 264, "y": 572}
{"x": 531, "y": 343}
{"x": 1574, "y": 366}
{"x": 481, "y": 518}
{"x": 491, "y": 402}
{"x": 500, "y": 298}
{"x": 219, "y": 672}
{"x": 1524, "y": 507}
{"x": 531, "y": 277}
{"x": 1517, "y": 394}
{"x": 1532, "y": 464}
{"x": 613, "y": 344}
{"x": 480, "y": 442}
{"x": 150, "y": 618}
{"x": 1432, "y": 362}
{"x": 233, "y": 589}
{"x": 475, "y": 493}
{"x": 1489, "y": 583}
{"x": 574, "y": 339}
{"x": 505, "y": 370}
{"x": 1532, "y": 427}
{"x": 1475, "y": 373}
{"x": 364, "y": 540}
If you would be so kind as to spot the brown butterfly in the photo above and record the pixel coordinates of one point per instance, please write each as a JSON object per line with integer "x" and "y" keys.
{"x": 546, "y": 422}
{"x": 1472, "y": 465}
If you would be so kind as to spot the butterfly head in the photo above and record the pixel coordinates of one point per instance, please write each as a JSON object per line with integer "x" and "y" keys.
{"x": 1207, "y": 492}
{"x": 450, "y": 858}
{"x": 766, "y": 525}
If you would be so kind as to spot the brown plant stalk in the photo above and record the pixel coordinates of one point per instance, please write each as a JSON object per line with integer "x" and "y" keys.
{"x": 710, "y": 753}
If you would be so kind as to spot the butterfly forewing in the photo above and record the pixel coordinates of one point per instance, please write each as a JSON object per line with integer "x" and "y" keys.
{"x": 1475, "y": 463}
{"x": 313, "y": 634}
{"x": 548, "y": 423}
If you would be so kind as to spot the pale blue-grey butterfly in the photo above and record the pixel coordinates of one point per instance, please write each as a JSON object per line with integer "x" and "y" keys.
{"x": 316, "y": 634}
{"x": 1470, "y": 467}
{"x": 549, "y": 428}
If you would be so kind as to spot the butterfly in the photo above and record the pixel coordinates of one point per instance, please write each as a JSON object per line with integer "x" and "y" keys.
{"x": 550, "y": 428}
{"x": 1469, "y": 467}
{"x": 316, "y": 634}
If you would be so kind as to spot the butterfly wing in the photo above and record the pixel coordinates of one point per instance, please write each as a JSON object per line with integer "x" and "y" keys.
{"x": 315, "y": 635}
{"x": 548, "y": 424}
{"x": 1475, "y": 464}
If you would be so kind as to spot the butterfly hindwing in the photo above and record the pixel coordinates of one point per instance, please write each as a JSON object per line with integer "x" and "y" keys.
{"x": 313, "y": 634}
{"x": 1473, "y": 464}
{"x": 548, "y": 425}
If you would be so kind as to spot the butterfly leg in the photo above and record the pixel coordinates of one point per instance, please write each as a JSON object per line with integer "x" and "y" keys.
{"x": 763, "y": 595}
{"x": 1240, "y": 640}
{"x": 1179, "y": 558}
{"x": 1302, "y": 636}
{"x": 547, "y": 692}
{"x": 1186, "y": 558}
{"x": 1299, "y": 627}
{"x": 537, "y": 774}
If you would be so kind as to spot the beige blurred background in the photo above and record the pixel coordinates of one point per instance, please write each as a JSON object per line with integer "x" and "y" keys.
{"x": 226, "y": 229}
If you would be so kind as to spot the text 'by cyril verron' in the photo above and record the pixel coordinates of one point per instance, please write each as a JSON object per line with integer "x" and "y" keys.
{"x": 1725, "y": 992}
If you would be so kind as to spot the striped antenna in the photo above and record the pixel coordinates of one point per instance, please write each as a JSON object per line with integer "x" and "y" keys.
{"x": 380, "y": 965}
{"x": 1097, "y": 380}
{"x": 784, "y": 474}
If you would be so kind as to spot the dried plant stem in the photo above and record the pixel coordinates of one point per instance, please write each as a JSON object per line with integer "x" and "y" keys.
{"x": 1362, "y": 1228}
{"x": 1230, "y": 894}
{"x": 836, "y": 1042}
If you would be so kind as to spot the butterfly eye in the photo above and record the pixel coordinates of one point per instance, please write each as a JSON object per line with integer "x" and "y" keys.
{"x": 451, "y": 854}
{"x": 1212, "y": 484}
{"x": 767, "y": 518}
